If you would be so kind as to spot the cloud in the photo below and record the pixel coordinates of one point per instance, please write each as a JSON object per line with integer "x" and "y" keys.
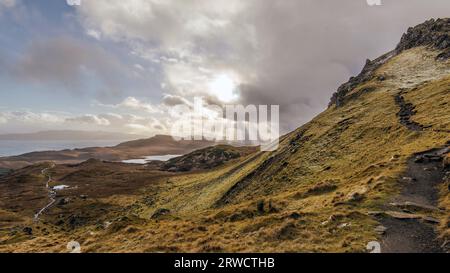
{"x": 308, "y": 48}
{"x": 292, "y": 53}
{"x": 121, "y": 122}
{"x": 165, "y": 23}
{"x": 28, "y": 121}
{"x": 3, "y": 118}
{"x": 173, "y": 100}
{"x": 69, "y": 63}
{"x": 138, "y": 128}
{"x": 31, "y": 117}
{"x": 89, "y": 119}
{"x": 8, "y": 3}
{"x": 133, "y": 104}
{"x": 288, "y": 52}
{"x": 180, "y": 37}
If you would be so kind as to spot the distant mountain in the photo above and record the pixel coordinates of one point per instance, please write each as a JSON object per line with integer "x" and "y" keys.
{"x": 157, "y": 145}
{"x": 70, "y": 135}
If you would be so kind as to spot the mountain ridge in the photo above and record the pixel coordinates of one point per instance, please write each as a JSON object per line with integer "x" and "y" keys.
{"x": 69, "y": 135}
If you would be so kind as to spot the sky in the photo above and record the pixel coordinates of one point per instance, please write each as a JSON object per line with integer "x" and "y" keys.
{"x": 115, "y": 65}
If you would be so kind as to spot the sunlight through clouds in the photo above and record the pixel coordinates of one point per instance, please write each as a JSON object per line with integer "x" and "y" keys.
{"x": 142, "y": 57}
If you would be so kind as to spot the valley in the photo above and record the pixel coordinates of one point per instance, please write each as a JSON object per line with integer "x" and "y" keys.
{"x": 374, "y": 166}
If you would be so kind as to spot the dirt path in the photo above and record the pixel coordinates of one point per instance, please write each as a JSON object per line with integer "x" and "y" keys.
{"x": 407, "y": 110}
{"x": 408, "y": 222}
{"x": 409, "y": 219}
{"x": 51, "y": 192}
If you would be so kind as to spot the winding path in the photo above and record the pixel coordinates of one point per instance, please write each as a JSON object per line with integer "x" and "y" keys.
{"x": 51, "y": 192}
{"x": 407, "y": 110}
{"x": 408, "y": 222}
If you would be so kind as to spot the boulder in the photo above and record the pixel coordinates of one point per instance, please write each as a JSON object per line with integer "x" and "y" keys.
{"x": 159, "y": 213}
{"x": 357, "y": 195}
{"x": 294, "y": 215}
{"x": 260, "y": 206}
{"x": 402, "y": 215}
{"x": 28, "y": 230}
{"x": 431, "y": 220}
{"x": 414, "y": 206}
{"x": 380, "y": 230}
{"x": 63, "y": 201}
{"x": 446, "y": 161}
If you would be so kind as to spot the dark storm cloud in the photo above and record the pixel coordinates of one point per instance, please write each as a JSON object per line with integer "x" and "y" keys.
{"x": 308, "y": 48}
{"x": 294, "y": 53}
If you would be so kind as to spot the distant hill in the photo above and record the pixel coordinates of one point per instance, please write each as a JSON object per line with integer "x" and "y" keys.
{"x": 206, "y": 158}
{"x": 69, "y": 135}
{"x": 157, "y": 145}
{"x": 156, "y": 140}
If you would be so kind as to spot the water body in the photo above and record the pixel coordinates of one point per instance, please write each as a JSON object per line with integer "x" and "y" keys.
{"x": 18, "y": 147}
{"x": 60, "y": 187}
{"x": 150, "y": 158}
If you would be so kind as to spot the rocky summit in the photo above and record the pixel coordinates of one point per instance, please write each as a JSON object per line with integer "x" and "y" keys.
{"x": 433, "y": 34}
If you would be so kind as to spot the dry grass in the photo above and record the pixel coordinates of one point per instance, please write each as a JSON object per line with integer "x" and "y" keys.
{"x": 311, "y": 195}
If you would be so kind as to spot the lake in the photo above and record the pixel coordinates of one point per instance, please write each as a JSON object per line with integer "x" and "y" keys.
{"x": 150, "y": 158}
{"x": 18, "y": 147}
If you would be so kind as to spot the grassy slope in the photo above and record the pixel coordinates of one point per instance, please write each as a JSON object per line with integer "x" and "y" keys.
{"x": 312, "y": 194}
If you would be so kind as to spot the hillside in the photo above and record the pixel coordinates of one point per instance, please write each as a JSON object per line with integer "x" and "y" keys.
{"x": 374, "y": 166}
{"x": 207, "y": 158}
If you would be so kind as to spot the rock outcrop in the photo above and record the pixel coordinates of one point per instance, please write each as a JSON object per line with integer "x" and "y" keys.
{"x": 339, "y": 98}
{"x": 446, "y": 161}
{"x": 435, "y": 33}
{"x": 205, "y": 159}
{"x": 432, "y": 33}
